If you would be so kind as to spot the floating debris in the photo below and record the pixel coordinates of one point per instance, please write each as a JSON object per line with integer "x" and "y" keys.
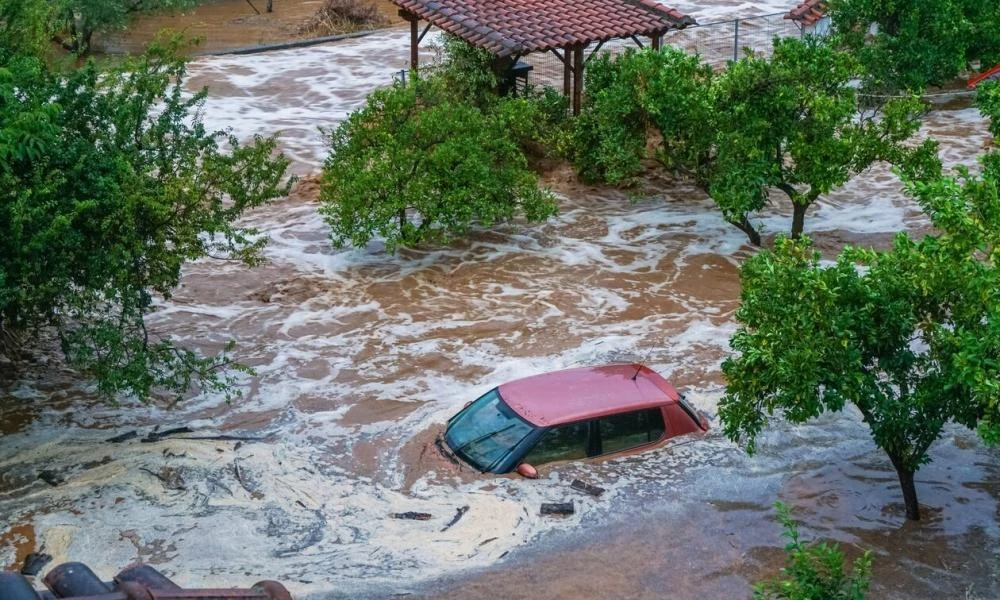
{"x": 557, "y": 508}
{"x": 413, "y": 516}
{"x": 34, "y": 562}
{"x": 123, "y": 437}
{"x": 458, "y": 516}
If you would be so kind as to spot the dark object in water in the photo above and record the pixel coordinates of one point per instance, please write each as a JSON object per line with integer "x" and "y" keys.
{"x": 157, "y": 436}
{"x": 51, "y": 477}
{"x": 458, "y": 515}
{"x": 557, "y": 508}
{"x": 413, "y": 516}
{"x": 34, "y": 562}
{"x": 583, "y": 486}
{"x": 123, "y": 437}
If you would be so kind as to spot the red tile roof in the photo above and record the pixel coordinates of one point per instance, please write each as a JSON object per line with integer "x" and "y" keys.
{"x": 808, "y": 12}
{"x": 506, "y": 27}
{"x": 993, "y": 73}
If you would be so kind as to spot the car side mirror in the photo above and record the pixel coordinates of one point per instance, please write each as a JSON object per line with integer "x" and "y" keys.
{"x": 526, "y": 470}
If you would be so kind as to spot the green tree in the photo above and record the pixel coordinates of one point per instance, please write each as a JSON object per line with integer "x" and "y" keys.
{"x": 413, "y": 165}
{"x": 78, "y": 20}
{"x": 639, "y": 92}
{"x": 916, "y": 43}
{"x": 988, "y": 102}
{"x": 467, "y": 72}
{"x": 791, "y": 122}
{"x": 109, "y": 183}
{"x": 814, "y": 571}
{"x": 910, "y": 336}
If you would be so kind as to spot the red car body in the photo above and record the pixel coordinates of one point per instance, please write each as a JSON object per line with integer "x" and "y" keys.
{"x": 571, "y": 414}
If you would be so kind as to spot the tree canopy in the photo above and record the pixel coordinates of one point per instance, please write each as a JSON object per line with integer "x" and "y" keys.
{"x": 910, "y": 336}
{"x": 916, "y": 43}
{"x": 790, "y": 122}
{"x": 988, "y": 102}
{"x": 425, "y": 161}
{"x": 76, "y": 21}
{"x": 109, "y": 183}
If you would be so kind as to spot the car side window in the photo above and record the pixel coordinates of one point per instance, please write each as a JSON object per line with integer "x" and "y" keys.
{"x": 628, "y": 430}
{"x": 564, "y": 442}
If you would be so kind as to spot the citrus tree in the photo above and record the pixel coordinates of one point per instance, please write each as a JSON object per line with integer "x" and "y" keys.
{"x": 909, "y": 336}
{"x": 791, "y": 123}
{"x": 426, "y": 161}
{"x": 109, "y": 184}
{"x": 910, "y": 44}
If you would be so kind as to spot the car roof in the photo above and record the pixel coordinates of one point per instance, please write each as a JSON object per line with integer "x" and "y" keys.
{"x": 585, "y": 393}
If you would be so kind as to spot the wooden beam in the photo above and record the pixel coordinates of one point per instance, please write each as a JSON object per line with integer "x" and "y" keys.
{"x": 655, "y": 41}
{"x": 594, "y": 51}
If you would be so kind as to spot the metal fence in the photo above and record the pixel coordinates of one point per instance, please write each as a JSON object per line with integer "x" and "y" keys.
{"x": 717, "y": 43}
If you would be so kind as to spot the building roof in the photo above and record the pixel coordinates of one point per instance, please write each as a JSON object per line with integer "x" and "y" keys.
{"x": 993, "y": 73}
{"x": 808, "y": 13}
{"x": 517, "y": 27}
{"x": 585, "y": 393}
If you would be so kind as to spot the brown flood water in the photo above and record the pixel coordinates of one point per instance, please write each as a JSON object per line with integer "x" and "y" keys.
{"x": 227, "y": 24}
{"x": 361, "y": 357}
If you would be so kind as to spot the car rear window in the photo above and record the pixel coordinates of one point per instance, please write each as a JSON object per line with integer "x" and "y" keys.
{"x": 628, "y": 430}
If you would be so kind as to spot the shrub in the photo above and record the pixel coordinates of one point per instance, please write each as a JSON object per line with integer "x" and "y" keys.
{"x": 344, "y": 16}
{"x": 412, "y": 166}
{"x": 814, "y": 571}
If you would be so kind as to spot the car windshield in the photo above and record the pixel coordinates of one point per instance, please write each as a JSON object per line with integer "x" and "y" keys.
{"x": 486, "y": 431}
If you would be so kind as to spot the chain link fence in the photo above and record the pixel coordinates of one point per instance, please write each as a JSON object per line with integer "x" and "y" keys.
{"x": 717, "y": 43}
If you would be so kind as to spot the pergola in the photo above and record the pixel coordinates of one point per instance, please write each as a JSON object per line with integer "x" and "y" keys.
{"x": 510, "y": 29}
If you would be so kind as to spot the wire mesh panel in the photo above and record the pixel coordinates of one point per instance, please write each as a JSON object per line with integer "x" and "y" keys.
{"x": 723, "y": 41}
{"x": 717, "y": 43}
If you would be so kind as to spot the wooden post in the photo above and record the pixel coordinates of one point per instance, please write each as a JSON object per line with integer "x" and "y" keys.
{"x": 567, "y": 72}
{"x": 270, "y": 5}
{"x": 414, "y": 43}
{"x": 655, "y": 42}
{"x": 577, "y": 78}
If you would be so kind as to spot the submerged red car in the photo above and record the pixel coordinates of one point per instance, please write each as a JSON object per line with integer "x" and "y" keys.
{"x": 570, "y": 415}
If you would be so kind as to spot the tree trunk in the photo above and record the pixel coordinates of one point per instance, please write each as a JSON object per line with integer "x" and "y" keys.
{"x": 798, "y": 219}
{"x": 746, "y": 227}
{"x": 909, "y": 489}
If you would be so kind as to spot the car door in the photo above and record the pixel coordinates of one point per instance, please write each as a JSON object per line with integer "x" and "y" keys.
{"x": 597, "y": 437}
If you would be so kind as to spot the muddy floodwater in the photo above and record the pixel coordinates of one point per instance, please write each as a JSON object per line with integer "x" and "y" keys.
{"x": 362, "y": 356}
